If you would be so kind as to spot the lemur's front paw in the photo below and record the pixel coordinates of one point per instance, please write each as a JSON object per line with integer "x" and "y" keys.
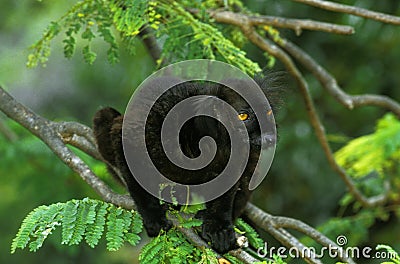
{"x": 222, "y": 239}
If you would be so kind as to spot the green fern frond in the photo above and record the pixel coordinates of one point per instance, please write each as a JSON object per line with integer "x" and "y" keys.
{"x": 137, "y": 223}
{"x": 184, "y": 35}
{"x": 208, "y": 257}
{"x": 253, "y": 237}
{"x": 192, "y": 222}
{"x": 79, "y": 219}
{"x": 393, "y": 255}
{"x": 232, "y": 259}
{"x": 36, "y": 227}
{"x": 173, "y": 247}
{"x": 151, "y": 250}
{"x": 95, "y": 229}
{"x": 185, "y": 30}
{"x": 115, "y": 228}
{"x": 81, "y": 223}
{"x": 373, "y": 152}
{"x": 68, "y": 221}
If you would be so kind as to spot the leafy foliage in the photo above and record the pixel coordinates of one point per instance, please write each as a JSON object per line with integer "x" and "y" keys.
{"x": 79, "y": 219}
{"x": 371, "y": 160}
{"x": 185, "y": 35}
{"x": 394, "y": 255}
{"x": 376, "y": 152}
{"x": 374, "y": 159}
{"x": 173, "y": 247}
{"x": 190, "y": 38}
{"x": 251, "y": 234}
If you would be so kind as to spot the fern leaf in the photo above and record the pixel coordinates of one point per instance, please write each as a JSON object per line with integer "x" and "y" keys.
{"x": 29, "y": 224}
{"x": 79, "y": 219}
{"x": 50, "y": 219}
{"x": 208, "y": 257}
{"x": 150, "y": 251}
{"x": 137, "y": 223}
{"x": 253, "y": 237}
{"x": 115, "y": 229}
{"x": 373, "y": 152}
{"x": 91, "y": 215}
{"x": 131, "y": 238}
{"x": 36, "y": 227}
{"x": 191, "y": 223}
{"x": 69, "y": 221}
{"x": 94, "y": 230}
{"x": 80, "y": 223}
{"x": 232, "y": 259}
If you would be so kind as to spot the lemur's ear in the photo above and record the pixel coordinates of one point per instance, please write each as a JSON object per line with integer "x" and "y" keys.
{"x": 273, "y": 84}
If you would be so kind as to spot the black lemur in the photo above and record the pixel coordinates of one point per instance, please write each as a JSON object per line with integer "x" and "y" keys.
{"x": 220, "y": 213}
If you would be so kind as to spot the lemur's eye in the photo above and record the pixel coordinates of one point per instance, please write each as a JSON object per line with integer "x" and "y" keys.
{"x": 243, "y": 116}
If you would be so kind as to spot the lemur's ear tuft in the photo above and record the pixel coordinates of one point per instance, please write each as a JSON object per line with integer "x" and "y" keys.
{"x": 274, "y": 85}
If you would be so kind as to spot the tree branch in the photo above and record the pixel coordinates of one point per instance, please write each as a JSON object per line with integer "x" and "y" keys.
{"x": 147, "y": 36}
{"x": 44, "y": 129}
{"x": 77, "y": 135}
{"x": 200, "y": 243}
{"x": 352, "y": 10}
{"x": 275, "y": 226}
{"x": 295, "y": 24}
{"x": 330, "y": 83}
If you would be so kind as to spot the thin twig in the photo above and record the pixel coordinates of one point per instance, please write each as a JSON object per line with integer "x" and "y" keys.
{"x": 77, "y": 135}
{"x": 357, "y": 11}
{"x": 330, "y": 83}
{"x": 74, "y": 128}
{"x": 295, "y": 24}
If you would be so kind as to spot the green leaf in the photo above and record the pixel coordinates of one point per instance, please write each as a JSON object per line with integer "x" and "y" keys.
{"x": 69, "y": 221}
{"x": 88, "y": 55}
{"x": 191, "y": 223}
{"x": 394, "y": 256}
{"x": 88, "y": 34}
{"x": 373, "y": 152}
{"x": 115, "y": 229}
{"x": 95, "y": 229}
{"x": 69, "y": 47}
{"x": 253, "y": 237}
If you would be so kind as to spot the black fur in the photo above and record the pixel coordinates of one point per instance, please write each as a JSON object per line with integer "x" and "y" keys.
{"x": 219, "y": 215}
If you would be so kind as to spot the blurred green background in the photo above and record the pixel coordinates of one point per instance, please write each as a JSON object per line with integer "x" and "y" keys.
{"x": 300, "y": 183}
